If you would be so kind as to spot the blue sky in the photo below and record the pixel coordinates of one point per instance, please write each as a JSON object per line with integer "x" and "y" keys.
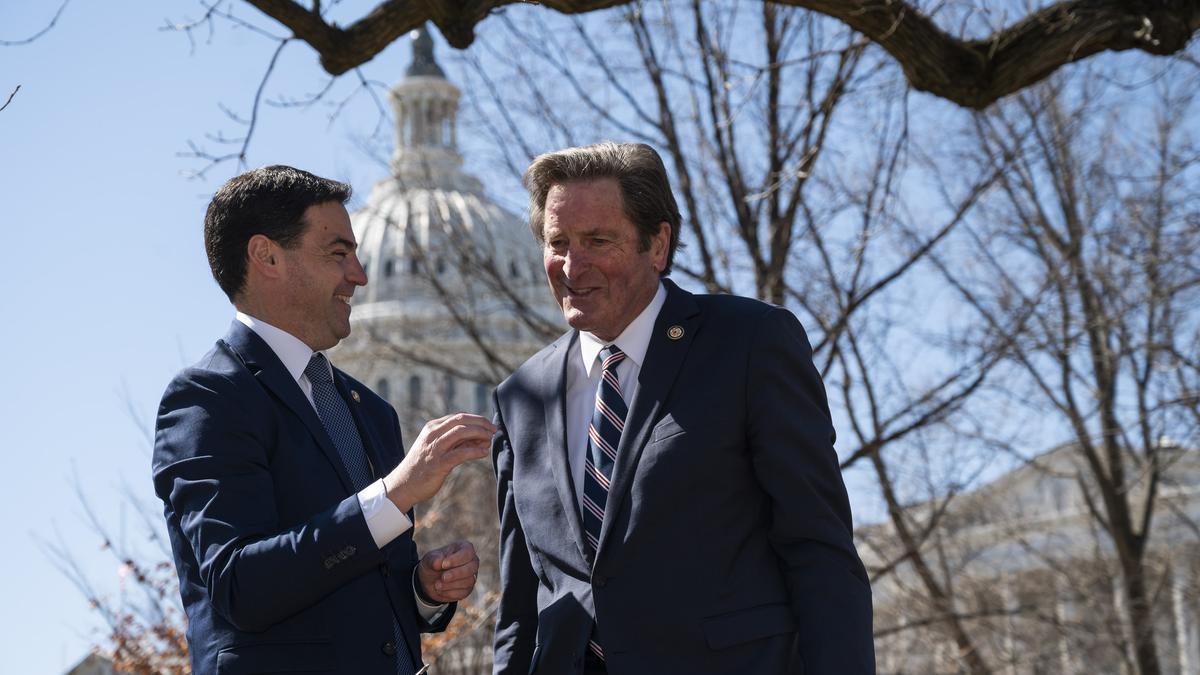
{"x": 107, "y": 291}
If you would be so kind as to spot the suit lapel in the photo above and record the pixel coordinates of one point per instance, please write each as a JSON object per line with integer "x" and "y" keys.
{"x": 378, "y": 464}
{"x": 555, "y": 410}
{"x": 268, "y": 369}
{"x": 664, "y": 357}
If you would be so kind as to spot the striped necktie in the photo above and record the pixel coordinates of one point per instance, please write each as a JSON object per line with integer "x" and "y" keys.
{"x": 339, "y": 424}
{"x": 604, "y": 435}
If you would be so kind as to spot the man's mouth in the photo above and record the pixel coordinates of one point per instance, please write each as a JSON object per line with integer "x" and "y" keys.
{"x": 343, "y": 298}
{"x": 579, "y": 292}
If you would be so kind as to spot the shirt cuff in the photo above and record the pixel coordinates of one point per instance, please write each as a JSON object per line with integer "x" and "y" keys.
{"x": 427, "y": 611}
{"x": 384, "y": 519}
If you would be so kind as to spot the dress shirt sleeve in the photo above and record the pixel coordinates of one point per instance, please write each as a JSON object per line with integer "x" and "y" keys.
{"x": 384, "y": 519}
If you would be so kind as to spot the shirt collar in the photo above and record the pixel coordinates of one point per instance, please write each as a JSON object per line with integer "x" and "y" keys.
{"x": 634, "y": 340}
{"x": 290, "y": 349}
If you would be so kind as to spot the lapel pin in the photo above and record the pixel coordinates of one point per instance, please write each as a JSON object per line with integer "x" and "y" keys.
{"x": 675, "y": 332}
{"x": 354, "y": 395}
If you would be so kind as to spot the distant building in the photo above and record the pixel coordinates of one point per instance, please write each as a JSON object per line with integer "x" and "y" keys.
{"x": 436, "y": 327}
{"x": 1036, "y": 578}
{"x": 93, "y": 664}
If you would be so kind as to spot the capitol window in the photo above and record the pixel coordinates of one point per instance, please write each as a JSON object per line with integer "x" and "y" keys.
{"x": 414, "y": 393}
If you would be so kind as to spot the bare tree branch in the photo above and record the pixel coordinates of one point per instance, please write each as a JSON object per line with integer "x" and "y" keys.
{"x": 973, "y": 73}
{"x": 40, "y": 33}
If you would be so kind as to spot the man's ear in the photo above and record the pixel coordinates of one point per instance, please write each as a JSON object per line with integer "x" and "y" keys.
{"x": 660, "y": 243}
{"x": 264, "y": 256}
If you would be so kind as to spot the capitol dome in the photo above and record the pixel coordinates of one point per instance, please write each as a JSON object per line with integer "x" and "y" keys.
{"x": 456, "y": 297}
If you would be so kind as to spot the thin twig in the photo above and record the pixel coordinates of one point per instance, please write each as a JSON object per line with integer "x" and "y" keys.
{"x": 10, "y": 97}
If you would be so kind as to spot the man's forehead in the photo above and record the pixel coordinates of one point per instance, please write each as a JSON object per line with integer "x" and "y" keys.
{"x": 599, "y": 183}
{"x": 328, "y": 224}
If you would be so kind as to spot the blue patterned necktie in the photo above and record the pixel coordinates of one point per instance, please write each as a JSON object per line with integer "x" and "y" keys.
{"x": 604, "y": 435}
{"x": 339, "y": 424}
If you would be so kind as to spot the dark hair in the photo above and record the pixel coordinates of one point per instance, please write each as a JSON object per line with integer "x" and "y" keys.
{"x": 270, "y": 201}
{"x": 646, "y": 197}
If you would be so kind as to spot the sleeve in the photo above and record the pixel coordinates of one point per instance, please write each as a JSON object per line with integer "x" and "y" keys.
{"x": 516, "y": 615}
{"x": 211, "y": 471}
{"x": 791, "y": 441}
{"x": 384, "y": 519}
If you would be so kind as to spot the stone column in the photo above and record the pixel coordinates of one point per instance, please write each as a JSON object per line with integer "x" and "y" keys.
{"x": 1063, "y": 613}
{"x": 1008, "y": 600}
{"x": 1183, "y": 598}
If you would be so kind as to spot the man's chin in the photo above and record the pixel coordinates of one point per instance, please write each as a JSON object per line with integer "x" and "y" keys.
{"x": 576, "y": 319}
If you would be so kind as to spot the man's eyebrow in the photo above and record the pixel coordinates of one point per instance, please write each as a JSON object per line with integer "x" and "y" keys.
{"x": 591, "y": 232}
{"x": 342, "y": 241}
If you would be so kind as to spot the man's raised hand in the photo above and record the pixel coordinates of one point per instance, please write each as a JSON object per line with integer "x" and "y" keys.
{"x": 443, "y": 444}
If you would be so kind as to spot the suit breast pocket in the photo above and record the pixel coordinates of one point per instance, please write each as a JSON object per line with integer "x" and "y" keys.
{"x": 277, "y": 657}
{"x": 666, "y": 429}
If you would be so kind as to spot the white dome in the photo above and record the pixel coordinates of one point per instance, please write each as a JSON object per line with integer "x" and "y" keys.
{"x": 428, "y": 237}
{"x": 411, "y": 238}
{"x": 456, "y": 296}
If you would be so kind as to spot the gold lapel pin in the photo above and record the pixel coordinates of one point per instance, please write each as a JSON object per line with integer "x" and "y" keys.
{"x": 354, "y": 395}
{"x": 675, "y": 332}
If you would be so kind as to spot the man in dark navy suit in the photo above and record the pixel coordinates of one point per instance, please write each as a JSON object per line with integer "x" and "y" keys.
{"x": 286, "y": 489}
{"x": 670, "y": 500}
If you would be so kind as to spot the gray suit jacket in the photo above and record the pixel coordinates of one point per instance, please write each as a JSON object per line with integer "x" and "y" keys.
{"x": 726, "y": 545}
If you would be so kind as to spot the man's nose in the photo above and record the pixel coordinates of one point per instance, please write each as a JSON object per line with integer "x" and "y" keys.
{"x": 356, "y": 274}
{"x": 574, "y": 263}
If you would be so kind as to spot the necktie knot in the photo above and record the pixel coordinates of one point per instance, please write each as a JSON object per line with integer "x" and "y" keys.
{"x": 317, "y": 369}
{"x": 610, "y": 356}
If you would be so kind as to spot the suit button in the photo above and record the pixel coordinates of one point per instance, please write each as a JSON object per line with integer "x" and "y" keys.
{"x": 389, "y": 648}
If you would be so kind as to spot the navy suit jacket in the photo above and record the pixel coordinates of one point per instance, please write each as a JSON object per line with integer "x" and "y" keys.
{"x": 726, "y": 544}
{"x": 277, "y": 569}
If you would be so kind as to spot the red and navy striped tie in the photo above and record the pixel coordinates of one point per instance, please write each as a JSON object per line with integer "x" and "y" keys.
{"x": 604, "y": 434}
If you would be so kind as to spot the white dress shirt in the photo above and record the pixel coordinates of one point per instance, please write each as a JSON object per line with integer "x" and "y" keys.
{"x": 384, "y": 519}
{"x": 583, "y": 379}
